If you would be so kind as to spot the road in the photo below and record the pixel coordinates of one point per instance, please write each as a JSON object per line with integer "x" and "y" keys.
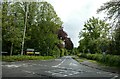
{"x": 62, "y": 67}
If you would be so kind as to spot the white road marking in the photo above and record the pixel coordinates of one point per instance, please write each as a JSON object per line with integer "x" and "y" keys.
{"x": 48, "y": 71}
{"x": 60, "y": 72}
{"x": 76, "y": 72}
{"x": 54, "y": 73}
{"x": 27, "y": 71}
{"x": 57, "y": 59}
{"x": 61, "y": 67}
{"x": 59, "y": 63}
{"x": 73, "y": 64}
{"x": 115, "y": 77}
{"x": 16, "y": 66}
{"x": 13, "y": 66}
{"x": 65, "y": 75}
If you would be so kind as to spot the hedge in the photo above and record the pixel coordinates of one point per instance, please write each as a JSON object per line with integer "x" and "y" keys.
{"x": 111, "y": 60}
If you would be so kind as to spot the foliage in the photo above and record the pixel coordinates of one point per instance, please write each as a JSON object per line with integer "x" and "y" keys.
{"x": 62, "y": 35}
{"x": 75, "y": 51}
{"x": 41, "y": 27}
{"x": 112, "y": 8}
{"x": 11, "y": 32}
{"x": 56, "y": 52}
{"x": 94, "y": 37}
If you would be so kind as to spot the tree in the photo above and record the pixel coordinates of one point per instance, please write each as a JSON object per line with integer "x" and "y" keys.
{"x": 94, "y": 35}
{"x": 68, "y": 44}
{"x": 112, "y": 8}
{"x": 42, "y": 28}
{"x": 25, "y": 25}
{"x": 11, "y": 32}
{"x": 62, "y": 34}
{"x": 41, "y": 24}
{"x": 0, "y": 27}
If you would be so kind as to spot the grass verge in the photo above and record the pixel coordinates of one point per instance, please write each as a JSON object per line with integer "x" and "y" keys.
{"x": 24, "y": 57}
{"x": 81, "y": 59}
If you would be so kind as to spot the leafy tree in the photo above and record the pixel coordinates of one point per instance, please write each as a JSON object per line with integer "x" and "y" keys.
{"x": 95, "y": 34}
{"x": 45, "y": 28}
{"x": 112, "y": 8}
{"x": 62, "y": 34}
{"x": 0, "y": 27}
{"x": 41, "y": 26}
{"x": 11, "y": 32}
{"x": 68, "y": 44}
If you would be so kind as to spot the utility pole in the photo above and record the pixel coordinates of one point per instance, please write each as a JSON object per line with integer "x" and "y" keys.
{"x": 25, "y": 25}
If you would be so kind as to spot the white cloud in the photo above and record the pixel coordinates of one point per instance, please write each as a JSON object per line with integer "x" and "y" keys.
{"x": 74, "y": 13}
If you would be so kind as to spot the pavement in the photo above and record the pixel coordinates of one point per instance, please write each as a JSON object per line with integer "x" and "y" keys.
{"x": 63, "y": 67}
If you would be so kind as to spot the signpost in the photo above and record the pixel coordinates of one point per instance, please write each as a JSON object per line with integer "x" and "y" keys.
{"x": 30, "y": 51}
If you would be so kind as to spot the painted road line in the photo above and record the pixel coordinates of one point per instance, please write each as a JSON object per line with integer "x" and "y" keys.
{"x": 65, "y": 75}
{"x": 73, "y": 64}
{"x": 29, "y": 72}
{"x": 70, "y": 74}
{"x": 58, "y": 60}
{"x": 14, "y": 66}
{"x": 60, "y": 63}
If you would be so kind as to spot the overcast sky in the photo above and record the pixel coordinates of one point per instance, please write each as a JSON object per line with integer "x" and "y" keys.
{"x": 74, "y": 13}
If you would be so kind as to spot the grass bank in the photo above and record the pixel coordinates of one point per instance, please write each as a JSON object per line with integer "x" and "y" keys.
{"x": 82, "y": 59}
{"x": 25, "y": 57}
{"x": 110, "y": 60}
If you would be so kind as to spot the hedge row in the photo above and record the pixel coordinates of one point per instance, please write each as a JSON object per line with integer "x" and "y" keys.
{"x": 24, "y": 57}
{"x": 111, "y": 60}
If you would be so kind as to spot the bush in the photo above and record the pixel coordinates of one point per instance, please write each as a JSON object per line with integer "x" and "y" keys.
{"x": 111, "y": 60}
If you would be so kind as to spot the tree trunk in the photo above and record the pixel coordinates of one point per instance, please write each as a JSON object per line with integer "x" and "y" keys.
{"x": 11, "y": 50}
{"x": 26, "y": 10}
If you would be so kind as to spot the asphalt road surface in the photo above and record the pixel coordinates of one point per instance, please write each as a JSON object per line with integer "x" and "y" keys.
{"x": 62, "y": 67}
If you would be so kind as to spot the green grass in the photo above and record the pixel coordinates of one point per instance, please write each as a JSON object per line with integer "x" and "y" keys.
{"x": 25, "y": 57}
{"x": 93, "y": 61}
{"x": 79, "y": 59}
